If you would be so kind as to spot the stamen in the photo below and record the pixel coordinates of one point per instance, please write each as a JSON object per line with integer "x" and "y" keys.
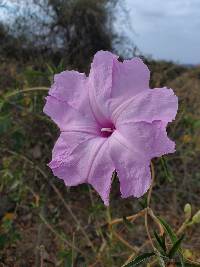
{"x": 107, "y": 130}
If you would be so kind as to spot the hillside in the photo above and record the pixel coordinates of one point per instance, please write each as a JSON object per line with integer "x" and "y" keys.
{"x": 36, "y": 208}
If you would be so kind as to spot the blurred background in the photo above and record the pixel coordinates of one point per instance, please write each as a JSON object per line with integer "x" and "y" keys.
{"x": 40, "y": 219}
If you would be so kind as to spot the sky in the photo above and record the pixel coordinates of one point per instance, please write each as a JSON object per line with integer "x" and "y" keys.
{"x": 165, "y": 29}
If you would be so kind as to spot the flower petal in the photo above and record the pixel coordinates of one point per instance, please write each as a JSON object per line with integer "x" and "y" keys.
{"x": 67, "y": 142}
{"x": 66, "y": 145}
{"x": 134, "y": 175}
{"x": 130, "y": 78}
{"x": 112, "y": 82}
{"x": 153, "y": 104}
{"x": 83, "y": 159}
{"x": 132, "y": 146}
{"x": 101, "y": 173}
{"x": 100, "y": 85}
{"x": 67, "y": 118}
{"x": 147, "y": 140}
{"x": 70, "y": 87}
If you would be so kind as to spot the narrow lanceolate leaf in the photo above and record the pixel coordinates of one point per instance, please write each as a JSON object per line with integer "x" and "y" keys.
{"x": 175, "y": 247}
{"x": 160, "y": 243}
{"x": 166, "y": 169}
{"x": 168, "y": 230}
{"x": 163, "y": 237}
{"x": 140, "y": 259}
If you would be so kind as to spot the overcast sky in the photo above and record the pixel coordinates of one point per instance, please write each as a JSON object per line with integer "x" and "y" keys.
{"x": 166, "y": 29}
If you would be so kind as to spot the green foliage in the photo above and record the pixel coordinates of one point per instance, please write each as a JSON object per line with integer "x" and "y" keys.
{"x": 161, "y": 246}
{"x": 8, "y": 233}
{"x": 168, "y": 230}
{"x": 175, "y": 247}
{"x": 166, "y": 169}
{"x": 5, "y": 123}
{"x": 140, "y": 259}
{"x": 162, "y": 253}
{"x": 67, "y": 258}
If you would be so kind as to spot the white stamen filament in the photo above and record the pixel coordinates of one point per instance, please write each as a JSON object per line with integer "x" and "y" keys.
{"x": 107, "y": 130}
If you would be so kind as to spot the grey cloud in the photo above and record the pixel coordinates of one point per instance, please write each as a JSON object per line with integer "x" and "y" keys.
{"x": 167, "y": 29}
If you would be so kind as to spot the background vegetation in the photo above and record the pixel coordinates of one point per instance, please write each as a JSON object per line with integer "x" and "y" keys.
{"x": 43, "y": 223}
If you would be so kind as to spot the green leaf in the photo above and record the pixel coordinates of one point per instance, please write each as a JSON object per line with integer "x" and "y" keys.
{"x": 50, "y": 69}
{"x": 160, "y": 242}
{"x": 163, "y": 237}
{"x": 5, "y": 123}
{"x": 67, "y": 257}
{"x": 175, "y": 247}
{"x": 166, "y": 169}
{"x": 68, "y": 261}
{"x": 168, "y": 230}
{"x": 18, "y": 138}
{"x": 197, "y": 124}
{"x": 140, "y": 259}
{"x": 3, "y": 241}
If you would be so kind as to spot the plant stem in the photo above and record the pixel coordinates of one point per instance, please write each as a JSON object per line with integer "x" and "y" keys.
{"x": 129, "y": 218}
{"x": 148, "y": 207}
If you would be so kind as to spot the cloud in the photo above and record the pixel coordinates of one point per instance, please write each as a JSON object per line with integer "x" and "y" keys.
{"x": 166, "y": 29}
{"x": 168, "y": 8}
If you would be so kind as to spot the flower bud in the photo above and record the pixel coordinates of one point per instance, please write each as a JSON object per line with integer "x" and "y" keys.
{"x": 196, "y": 217}
{"x": 188, "y": 211}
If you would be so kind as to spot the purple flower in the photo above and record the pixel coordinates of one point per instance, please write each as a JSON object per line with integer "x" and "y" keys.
{"x": 110, "y": 120}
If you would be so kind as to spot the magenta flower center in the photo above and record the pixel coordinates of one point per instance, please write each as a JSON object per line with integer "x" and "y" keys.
{"x": 107, "y": 131}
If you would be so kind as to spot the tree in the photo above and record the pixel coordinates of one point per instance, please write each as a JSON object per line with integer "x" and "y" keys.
{"x": 72, "y": 30}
